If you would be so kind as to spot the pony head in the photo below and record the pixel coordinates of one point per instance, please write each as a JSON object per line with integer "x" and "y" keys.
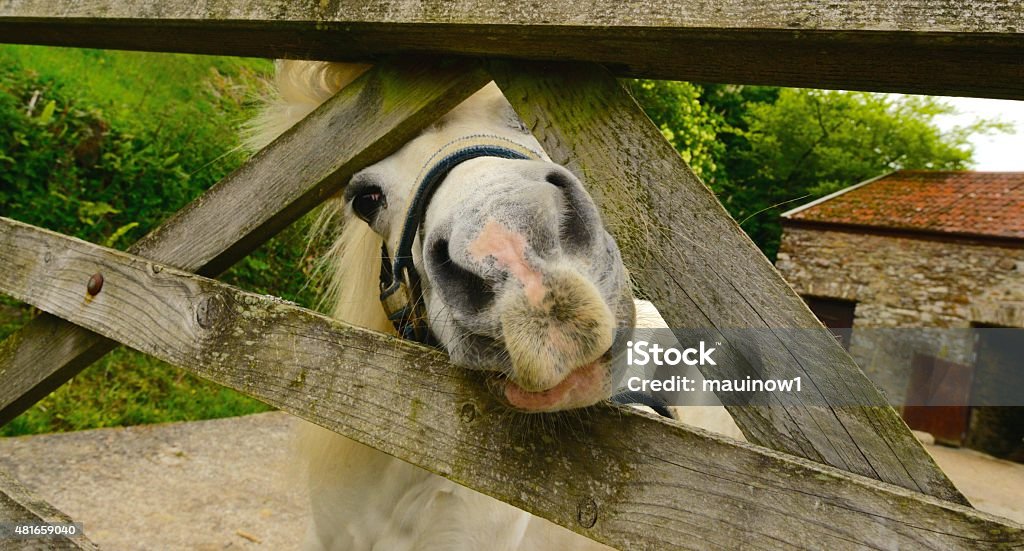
{"x": 514, "y": 272}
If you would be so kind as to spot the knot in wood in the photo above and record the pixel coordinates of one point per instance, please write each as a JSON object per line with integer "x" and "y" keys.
{"x": 95, "y": 284}
{"x": 209, "y": 311}
{"x": 586, "y": 512}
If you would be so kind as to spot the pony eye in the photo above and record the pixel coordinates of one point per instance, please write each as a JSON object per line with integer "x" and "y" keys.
{"x": 368, "y": 204}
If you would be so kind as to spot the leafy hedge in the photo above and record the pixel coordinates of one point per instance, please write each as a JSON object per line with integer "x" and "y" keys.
{"x": 105, "y": 146}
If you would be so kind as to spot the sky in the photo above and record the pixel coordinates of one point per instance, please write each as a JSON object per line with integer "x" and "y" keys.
{"x": 999, "y": 152}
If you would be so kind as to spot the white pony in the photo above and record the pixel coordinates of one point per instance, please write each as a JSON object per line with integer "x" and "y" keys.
{"x": 517, "y": 277}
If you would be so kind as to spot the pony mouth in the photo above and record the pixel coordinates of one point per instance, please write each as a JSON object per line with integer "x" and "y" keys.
{"x": 584, "y": 386}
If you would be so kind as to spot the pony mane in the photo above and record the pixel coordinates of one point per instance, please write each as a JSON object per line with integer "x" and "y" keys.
{"x": 350, "y": 265}
{"x": 351, "y": 268}
{"x": 298, "y": 88}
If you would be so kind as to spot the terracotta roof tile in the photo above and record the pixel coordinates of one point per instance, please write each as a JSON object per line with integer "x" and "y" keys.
{"x": 979, "y": 203}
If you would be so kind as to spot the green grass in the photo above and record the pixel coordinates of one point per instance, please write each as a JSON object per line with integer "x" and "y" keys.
{"x": 112, "y": 145}
{"x": 150, "y": 88}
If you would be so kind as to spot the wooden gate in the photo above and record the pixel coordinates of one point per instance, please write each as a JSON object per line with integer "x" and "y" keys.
{"x": 824, "y": 476}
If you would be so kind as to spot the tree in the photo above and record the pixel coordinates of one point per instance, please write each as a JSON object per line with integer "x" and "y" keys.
{"x": 781, "y": 147}
{"x": 692, "y": 127}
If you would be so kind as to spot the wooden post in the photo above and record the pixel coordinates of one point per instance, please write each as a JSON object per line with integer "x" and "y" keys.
{"x": 940, "y": 47}
{"x": 20, "y": 507}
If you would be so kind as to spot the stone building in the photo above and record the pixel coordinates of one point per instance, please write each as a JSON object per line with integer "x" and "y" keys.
{"x": 928, "y": 270}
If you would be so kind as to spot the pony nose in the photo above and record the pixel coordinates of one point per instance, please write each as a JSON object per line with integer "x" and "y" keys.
{"x": 496, "y": 254}
{"x": 532, "y": 217}
{"x": 463, "y": 287}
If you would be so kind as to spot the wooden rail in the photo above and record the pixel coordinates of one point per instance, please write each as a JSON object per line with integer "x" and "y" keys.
{"x": 624, "y": 478}
{"x": 366, "y": 122}
{"x": 945, "y": 47}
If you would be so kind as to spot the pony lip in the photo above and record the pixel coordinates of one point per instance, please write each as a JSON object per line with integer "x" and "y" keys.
{"x": 583, "y": 387}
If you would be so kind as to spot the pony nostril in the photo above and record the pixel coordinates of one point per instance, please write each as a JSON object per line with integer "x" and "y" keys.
{"x": 558, "y": 179}
{"x": 460, "y": 287}
{"x": 439, "y": 252}
{"x": 574, "y": 231}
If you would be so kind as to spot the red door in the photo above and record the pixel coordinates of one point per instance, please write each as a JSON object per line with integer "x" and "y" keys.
{"x": 937, "y": 398}
{"x": 836, "y": 314}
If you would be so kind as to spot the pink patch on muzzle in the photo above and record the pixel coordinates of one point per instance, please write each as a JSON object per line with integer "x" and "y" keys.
{"x": 509, "y": 252}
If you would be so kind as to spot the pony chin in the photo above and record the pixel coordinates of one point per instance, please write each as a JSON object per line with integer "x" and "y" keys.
{"x": 559, "y": 345}
{"x": 584, "y": 386}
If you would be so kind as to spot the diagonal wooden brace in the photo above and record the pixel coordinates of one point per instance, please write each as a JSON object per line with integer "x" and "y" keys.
{"x": 696, "y": 264}
{"x": 365, "y": 122}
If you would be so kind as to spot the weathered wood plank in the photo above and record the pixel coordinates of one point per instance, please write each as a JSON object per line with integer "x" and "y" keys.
{"x": 704, "y": 273}
{"x": 632, "y": 481}
{"x": 946, "y": 47}
{"x": 365, "y": 122}
{"x": 19, "y": 507}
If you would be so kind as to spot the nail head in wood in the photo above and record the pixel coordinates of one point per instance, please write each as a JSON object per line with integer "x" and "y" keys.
{"x": 95, "y": 284}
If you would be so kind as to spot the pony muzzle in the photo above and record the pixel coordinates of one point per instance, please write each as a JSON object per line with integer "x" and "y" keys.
{"x": 558, "y": 345}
